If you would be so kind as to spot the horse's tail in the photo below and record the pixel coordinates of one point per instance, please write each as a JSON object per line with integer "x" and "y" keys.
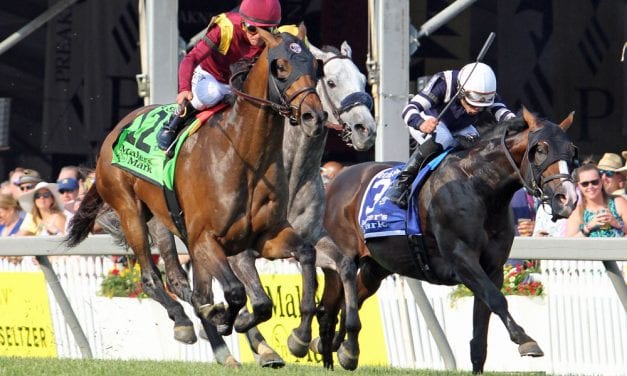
{"x": 83, "y": 220}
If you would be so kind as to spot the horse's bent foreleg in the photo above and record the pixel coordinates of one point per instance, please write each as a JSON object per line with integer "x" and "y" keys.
{"x": 203, "y": 297}
{"x": 267, "y": 357}
{"x": 175, "y": 276}
{"x": 283, "y": 244}
{"x": 209, "y": 260}
{"x": 243, "y": 265}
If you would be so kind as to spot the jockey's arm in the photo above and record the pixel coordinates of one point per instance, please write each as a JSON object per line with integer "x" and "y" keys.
{"x": 430, "y": 97}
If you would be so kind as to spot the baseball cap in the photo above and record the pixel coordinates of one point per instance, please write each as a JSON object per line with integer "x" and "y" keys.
{"x": 67, "y": 184}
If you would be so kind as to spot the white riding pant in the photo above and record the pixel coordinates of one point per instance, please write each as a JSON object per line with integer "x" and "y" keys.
{"x": 443, "y": 136}
{"x": 207, "y": 90}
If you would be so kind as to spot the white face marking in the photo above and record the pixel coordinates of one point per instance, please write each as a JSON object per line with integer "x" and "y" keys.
{"x": 563, "y": 166}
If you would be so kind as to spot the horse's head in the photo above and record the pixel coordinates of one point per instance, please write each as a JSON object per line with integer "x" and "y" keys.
{"x": 344, "y": 95}
{"x": 547, "y": 164}
{"x": 292, "y": 80}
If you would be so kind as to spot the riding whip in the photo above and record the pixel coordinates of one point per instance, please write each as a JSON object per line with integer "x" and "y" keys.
{"x": 480, "y": 57}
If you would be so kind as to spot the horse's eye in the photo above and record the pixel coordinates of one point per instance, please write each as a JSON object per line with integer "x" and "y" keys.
{"x": 282, "y": 71}
{"x": 331, "y": 83}
{"x": 540, "y": 153}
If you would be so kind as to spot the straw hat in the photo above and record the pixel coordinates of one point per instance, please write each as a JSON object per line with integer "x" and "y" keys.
{"x": 27, "y": 200}
{"x": 611, "y": 162}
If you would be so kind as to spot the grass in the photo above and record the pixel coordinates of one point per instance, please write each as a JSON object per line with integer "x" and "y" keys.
{"x": 74, "y": 367}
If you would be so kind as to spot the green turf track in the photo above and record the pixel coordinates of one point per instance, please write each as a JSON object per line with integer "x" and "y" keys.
{"x": 71, "y": 367}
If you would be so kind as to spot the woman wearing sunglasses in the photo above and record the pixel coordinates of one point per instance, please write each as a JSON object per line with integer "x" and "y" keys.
{"x": 204, "y": 72}
{"x": 478, "y": 93}
{"x": 44, "y": 211}
{"x": 598, "y": 214}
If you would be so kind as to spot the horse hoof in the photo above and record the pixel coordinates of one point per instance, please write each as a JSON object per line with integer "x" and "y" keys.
{"x": 271, "y": 360}
{"x": 530, "y": 349}
{"x": 297, "y": 347}
{"x": 232, "y": 363}
{"x": 316, "y": 346}
{"x": 185, "y": 334}
{"x": 347, "y": 360}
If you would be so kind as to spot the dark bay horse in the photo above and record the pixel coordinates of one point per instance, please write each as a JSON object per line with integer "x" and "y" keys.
{"x": 342, "y": 90}
{"x": 466, "y": 222}
{"x": 231, "y": 187}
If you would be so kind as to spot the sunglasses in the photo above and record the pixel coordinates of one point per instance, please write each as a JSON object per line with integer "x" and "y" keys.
{"x": 609, "y": 174}
{"x": 252, "y": 29}
{"x": 43, "y": 195}
{"x": 63, "y": 191}
{"x": 24, "y": 188}
{"x": 585, "y": 184}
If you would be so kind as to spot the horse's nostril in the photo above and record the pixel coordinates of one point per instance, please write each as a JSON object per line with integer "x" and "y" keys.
{"x": 325, "y": 115}
{"x": 307, "y": 117}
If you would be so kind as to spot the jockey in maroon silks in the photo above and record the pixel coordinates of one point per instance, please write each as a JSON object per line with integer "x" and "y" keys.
{"x": 204, "y": 72}
{"x": 424, "y": 117}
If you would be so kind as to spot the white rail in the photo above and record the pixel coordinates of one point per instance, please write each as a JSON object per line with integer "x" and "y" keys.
{"x": 598, "y": 249}
{"x": 581, "y": 324}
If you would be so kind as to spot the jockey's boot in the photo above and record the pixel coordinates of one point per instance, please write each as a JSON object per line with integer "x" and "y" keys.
{"x": 167, "y": 133}
{"x": 399, "y": 191}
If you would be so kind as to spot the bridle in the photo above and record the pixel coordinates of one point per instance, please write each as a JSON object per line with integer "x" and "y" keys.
{"x": 359, "y": 98}
{"x": 533, "y": 183}
{"x": 277, "y": 88}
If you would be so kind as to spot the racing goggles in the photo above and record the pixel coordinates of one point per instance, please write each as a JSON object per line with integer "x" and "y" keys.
{"x": 252, "y": 29}
{"x": 478, "y": 99}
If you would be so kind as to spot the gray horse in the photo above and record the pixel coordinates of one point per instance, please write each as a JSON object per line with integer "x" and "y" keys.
{"x": 342, "y": 90}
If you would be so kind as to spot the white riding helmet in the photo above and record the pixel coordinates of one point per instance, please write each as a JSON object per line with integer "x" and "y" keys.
{"x": 480, "y": 88}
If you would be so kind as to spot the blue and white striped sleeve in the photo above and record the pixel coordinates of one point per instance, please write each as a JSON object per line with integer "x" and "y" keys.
{"x": 413, "y": 114}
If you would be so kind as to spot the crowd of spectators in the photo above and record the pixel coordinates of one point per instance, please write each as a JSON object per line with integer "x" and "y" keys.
{"x": 601, "y": 209}
{"x": 30, "y": 205}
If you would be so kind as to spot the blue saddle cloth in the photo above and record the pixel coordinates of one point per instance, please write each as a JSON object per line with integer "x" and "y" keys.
{"x": 379, "y": 217}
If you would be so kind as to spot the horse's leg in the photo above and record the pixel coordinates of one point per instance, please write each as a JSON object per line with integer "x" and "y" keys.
{"x": 176, "y": 277}
{"x": 203, "y": 295}
{"x": 243, "y": 264}
{"x": 473, "y": 276}
{"x": 480, "y": 324}
{"x": 283, "y": 244}
{"x": 329, "y": 256}
{"x": 134, "y": 228}
{"x": 208, "y": 259}
{"x": 267, "y": 357}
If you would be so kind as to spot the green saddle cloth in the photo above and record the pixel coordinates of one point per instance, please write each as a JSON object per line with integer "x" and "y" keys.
{"x": 136, "y": 149}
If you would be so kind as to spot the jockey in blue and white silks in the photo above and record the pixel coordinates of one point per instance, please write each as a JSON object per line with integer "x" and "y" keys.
{"x": 420, "y": 115}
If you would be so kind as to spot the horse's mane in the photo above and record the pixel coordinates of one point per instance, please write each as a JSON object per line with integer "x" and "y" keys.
{"x": 494, "y": 129}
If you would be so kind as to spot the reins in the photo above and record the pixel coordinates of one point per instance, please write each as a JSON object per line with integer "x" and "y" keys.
{"x": 534, "y": 189}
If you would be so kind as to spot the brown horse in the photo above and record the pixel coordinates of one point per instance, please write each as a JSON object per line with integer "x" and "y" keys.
{"x": 231, "y": 187}
{"x": 466, "y": 223}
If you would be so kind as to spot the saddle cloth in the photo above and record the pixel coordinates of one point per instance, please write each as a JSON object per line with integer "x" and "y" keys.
{"x": 136, "y": 149}
{"x": 379, "y": 217}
